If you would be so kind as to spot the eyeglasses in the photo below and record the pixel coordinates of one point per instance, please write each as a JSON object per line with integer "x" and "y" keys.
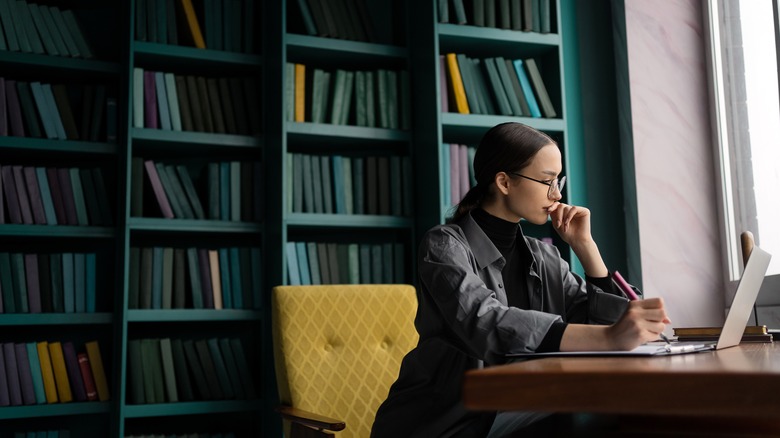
{"x": 555, "y": 185}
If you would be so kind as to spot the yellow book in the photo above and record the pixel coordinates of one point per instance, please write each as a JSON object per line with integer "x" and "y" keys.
{"x": 300, "y": 93}
{"x": 192, "y": 22}
{"x": 457, "y": 84}
{"x": 98, "y": 372}
{"x": 49, "y": 387}
{"x": 216, "y": 280}
{"x": 60, "y": 373}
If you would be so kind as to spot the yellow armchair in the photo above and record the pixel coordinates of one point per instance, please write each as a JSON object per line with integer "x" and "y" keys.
{"x": 337, "y": 350}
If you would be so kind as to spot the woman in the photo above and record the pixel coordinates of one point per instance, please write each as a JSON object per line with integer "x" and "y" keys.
{"x": 487, "y": 290}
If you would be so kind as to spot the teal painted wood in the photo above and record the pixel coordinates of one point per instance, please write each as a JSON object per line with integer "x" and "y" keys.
{"x": 193, "y": 226}
{"x": 191, "y": 57}
{"x": 487, "y": 41}
{"x": 21, "y": 319}
{"x": 57, "y": 231}
{"x": 11, "y": 144}
{"x": 576, "y": 188}
{"x": 143, "y": 136}
{"x": 51, "y": 410}
{"x": 297, "y": 131}
{"x": 181, "y": 315}
{"x": 473, "y": 126}
{"x": 59, "y": 64}
{"x": 313, "y": 48}
{"x": 191, "y": 408}
{"x": 346, "y": 220}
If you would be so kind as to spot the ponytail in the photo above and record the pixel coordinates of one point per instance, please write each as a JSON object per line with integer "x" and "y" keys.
{"x": 469, "y": 202}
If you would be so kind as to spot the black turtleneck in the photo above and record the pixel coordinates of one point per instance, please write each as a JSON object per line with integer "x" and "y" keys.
{"x": 504, "y": 235}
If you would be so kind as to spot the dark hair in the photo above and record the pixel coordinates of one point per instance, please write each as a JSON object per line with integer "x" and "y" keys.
{"x": 505, "y": 147}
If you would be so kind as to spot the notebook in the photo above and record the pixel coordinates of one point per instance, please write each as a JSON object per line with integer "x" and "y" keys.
{"x": 730, "y": 335}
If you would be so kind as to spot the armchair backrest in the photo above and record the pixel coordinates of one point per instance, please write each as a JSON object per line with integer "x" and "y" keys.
{"x": 338, "y": 348}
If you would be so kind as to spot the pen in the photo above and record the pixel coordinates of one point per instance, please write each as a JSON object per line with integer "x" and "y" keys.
{"x": 622, "y": 284}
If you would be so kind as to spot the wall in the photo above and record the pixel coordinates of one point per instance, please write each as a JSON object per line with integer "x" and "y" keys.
{"x": 676, "y": 210}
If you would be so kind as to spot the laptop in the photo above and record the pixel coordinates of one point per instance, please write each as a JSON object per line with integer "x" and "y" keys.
{"x": 730, "y": 335}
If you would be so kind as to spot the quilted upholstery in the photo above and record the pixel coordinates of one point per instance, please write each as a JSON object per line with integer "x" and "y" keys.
{"x": 338, "y": 348}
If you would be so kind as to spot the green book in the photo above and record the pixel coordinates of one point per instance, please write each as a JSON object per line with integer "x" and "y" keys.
{"x": 150, "y": 368}
{"x": 197, "y": 370}
{"x": 231, "y": 366}
{"x": 353, "y": 254}
{"x": 146, "y": 282}
{"x": 78, "y": 197}
{"x": 224, "y": 276}
{"x": 183, "y": 382}
{"x": 358, "y": 184}
{"x": 167, "y": 278}
{"x": 235, "y": 191}
{"x": 19, "y": 283}
{"x": 216, "y": 107}
{"x": 247, "y": 278}
{"x": 339, "y": 91}
{"x": 57, "y": 283}
{"x": 178, "y": 191}
{"x": 227, "y": 106}
{"x": 134, "y": 275}
{"x": 26, "y": 101}
{"x": 205, "y": 104}
{"x": 54, "y": 111}
{"x": 136, "y": 187}
{"x": 27, "y": 32}
{"x": 318, "y": 88}
{"x": 220, "y": 369}
{"x": 322, "y": 258}
{"x": 136, "y": 372}
{"x": 348, "y": 191}
{"x": 399, "y": 259}
{"x": 387, "y": 263}
{"x": 140, "y": 20}
{"x": 90, "y": 197}
{"x": 184, "y": 104}
{"x": 179, "y": 278}
{"x": 243, "y": 368}
{"x": 68, "y": 283}
{"x": 9, "y": 22}
{"x": 346, "y": 103}
{"x": 78, "y": 35}
{"x": 392, "y": 99}
{"x": 334, "y": 264}
{"x": 189, "y": 189}
{"x": 80, "y": 281}
{"x": 102, "y": 196}
{"x": 209, "y": 369}
{"x": 472, "y": 94}
{"x": 224, "y": 191}
{"x": 46, "y": 198}
{"x": 396, "y": 187}
{"x": 43, "y": 110}
{"x": 376, "y": 264}
{"x": 365, "y": 263}
{"x": 194, "y": 271}
{"x": 166, "y": 354}
{"x": 497, "y": 87}
{"x": 64, "y": 31}
{"x": 214, "y": 190}
{"x": 175, "y": 201}
{"x": 171, "y": 94}
{"x": 289, "y": 91}
{"x": 360, "y": 99}
{"x": 342, "y": 251}
{"x": 236, "y": 278}
{"x": 506, "y": 82}
{"x": 327, "y": 182}
{"x": 43, "y": 29}
{"x": 314, "y": 264}
{"x": 382, "y": 99}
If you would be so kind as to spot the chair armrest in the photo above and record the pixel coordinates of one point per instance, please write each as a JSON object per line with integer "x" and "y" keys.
{"x": 309, "y": 419}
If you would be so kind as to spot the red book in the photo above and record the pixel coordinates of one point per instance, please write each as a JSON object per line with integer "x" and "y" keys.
{"x": 86, "y": 374}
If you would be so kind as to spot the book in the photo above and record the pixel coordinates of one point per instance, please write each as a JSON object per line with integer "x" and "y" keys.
{"x": 715, "y": 331}
{"x": 74, "y": 372}
{"x": 209, "y": 369}
{"x": 220, "y": 369}
{"x": 86, "y": 377}
{"x": 12, "y": 374}
{"x": 180, "y": 369}
{"x": 194, "y": 34}
{"x": 157, "y": 187}
{"x": 198, "y": 372}
{"x": 456, "y": 82}
{"x": 34, "y": 194}
{"x": 23, "y": 196}
{"x": 166, "y": 353}
{"x": 35, "y": 372}
{"x": 33, "y": 283}
{"x": 5, "y": 399}
{"x": 135, "y": 372}
{"x": 60, "y": 372}
{"x": 25, "y": 374}
{"x": 539, "y": 88}
{"x": 47, "y": 372}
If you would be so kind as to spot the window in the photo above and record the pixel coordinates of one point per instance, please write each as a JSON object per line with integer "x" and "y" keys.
{"x": 746, "y": 113}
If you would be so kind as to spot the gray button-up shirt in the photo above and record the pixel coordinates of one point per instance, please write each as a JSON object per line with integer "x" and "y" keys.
{"x": 464, "y": 322}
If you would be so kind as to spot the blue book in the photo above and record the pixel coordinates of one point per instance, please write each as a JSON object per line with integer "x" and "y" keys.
{"x": 91, "y": 282}
{"x": 257, "y": 274}
{"x": 338, "y": 184}
{"x": 157, "y": 280}
{"x": 48, "y": 203}
{"x": 54, "y": 112}
{"x": 224, "y": 191}
{"x": 303, "y": 263}
{"x": 162, "y": 99}
{"x": 43, "y": 110}
{"x": 78, "y": 197}
{"x": 35, "y": 368}
{"x": 525, "y": 84}
{"x": 68, "y": 283}
{"x": 79, "y": 282}
{"x": 224, "y": 270}
{"x": 235, "y": 279}
{"x": 314, "y": 264}
{"x": 294, "y": 278}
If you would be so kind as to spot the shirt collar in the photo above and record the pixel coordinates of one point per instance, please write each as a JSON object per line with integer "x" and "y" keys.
{"x": 483, "y": 249}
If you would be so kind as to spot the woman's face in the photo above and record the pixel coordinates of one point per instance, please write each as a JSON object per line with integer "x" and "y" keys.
{"x": 529, "y": 199}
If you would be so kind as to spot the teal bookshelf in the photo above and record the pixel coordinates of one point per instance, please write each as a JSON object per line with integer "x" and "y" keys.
{"x": 409, "y": 39}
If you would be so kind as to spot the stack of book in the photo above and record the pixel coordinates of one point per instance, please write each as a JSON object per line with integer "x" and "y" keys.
{"x": 41, "y": 110}
{"x": 350, "y": 185}
{"x": 343, "y": 19}
{"x": 345, "y": 263}
{"x": 174, "y": 370}
{"x": 753, "y": 333}
{"x": 32, "y": 28}
{"x": 51, "y": 196}
{"x": 493, "y": 86}
{"x": 48, "y": 283}
{"x": 233, "y": 190}
{"x": 458, "y": 171}
{"x": 525, "y": 15}
{"x": 195, "y": 278}
{"x": 51, "y": 372}
{"x": 195, "y": 103}
{"x": 209, "y": 24}
{"x": 377, "y": 98}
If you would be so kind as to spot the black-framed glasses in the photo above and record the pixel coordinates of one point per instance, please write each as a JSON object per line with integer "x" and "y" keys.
{"x": 554, "y": 185}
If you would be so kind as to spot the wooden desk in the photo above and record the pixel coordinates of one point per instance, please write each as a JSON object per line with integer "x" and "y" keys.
{"x": 741, "y": 381}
